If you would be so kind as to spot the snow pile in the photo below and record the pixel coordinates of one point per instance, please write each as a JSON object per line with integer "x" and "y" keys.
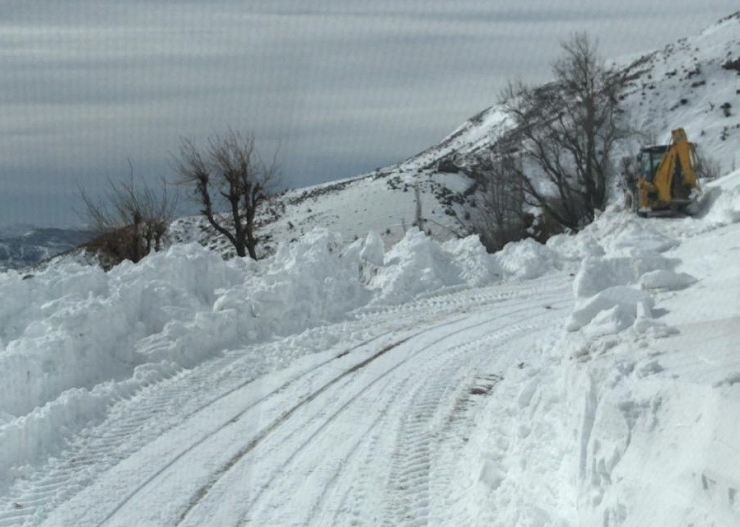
{"x": 477, "y": 267}
{"x": 414, "y": 266}
{"x": 598, "y": 273}
{"x": 666, "y": 280}
{"x": 629, "y": 416}
{"x": 576, "y": 248}
{"x": 610, "y": 311}
{"x": 723, "y": 199}
{"x": 649, "y": 349}
{"x": 73, "y": 338}
{"x": 613, "y": 291}
{"x": 75, "y": 326}
{"x": 527, "y": 259}
{"x": 305, "y": 284}
{"x": 419, "y": 265}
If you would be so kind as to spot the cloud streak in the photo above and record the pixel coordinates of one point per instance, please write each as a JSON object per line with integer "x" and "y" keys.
{"x": 339, "y": 87}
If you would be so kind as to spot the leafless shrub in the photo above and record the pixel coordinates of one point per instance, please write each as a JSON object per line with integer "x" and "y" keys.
{"x": 131, "y": 220}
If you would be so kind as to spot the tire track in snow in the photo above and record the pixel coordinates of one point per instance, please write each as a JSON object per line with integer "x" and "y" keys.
{"x": 442, "y": 370}
{"x": 238, "y": 416}
{"x": 391, "y": 391}
{"x": 414, "y": 441}
{"x": 78, "y": 467}
{"x": 440, "y": 367}
{"x": 455, "y": 297}
{"x": 96, "y": 450}
{"x": 410, "y": 501}
{"x": 69, "y": 475}
{"x": 396, "y": 388}
{"x": 201, "y": 494}
{"x": 218, "y": 474}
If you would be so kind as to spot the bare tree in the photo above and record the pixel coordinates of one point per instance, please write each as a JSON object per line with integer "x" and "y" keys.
{"x": 131, "y": 219}
{"x": 566, "y": 131}
{"x": 228, "y": 175}
{"x": 499, "y": 217}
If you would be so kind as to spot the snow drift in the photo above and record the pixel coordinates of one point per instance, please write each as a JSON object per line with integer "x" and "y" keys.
{"x": 73, "y": 338}
{"x": 629, "y": 416}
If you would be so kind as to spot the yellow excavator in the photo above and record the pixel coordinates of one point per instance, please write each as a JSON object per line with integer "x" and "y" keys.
{"x": 666, "y": 184}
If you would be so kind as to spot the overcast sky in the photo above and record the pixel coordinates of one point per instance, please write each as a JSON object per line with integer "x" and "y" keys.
{"x": 339, "y": 86}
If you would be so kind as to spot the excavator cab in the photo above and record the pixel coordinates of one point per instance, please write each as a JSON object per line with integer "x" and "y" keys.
{"x": 649, "y": 160}
{"x": 667, "y": 182}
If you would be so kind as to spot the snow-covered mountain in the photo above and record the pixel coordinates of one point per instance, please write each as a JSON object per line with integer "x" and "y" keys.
{"x": 694, "y": 84}
{"x": 24, "y": 245}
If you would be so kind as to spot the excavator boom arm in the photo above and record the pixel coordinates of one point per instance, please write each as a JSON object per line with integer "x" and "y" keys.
{"x": 674, "y": 179}
{"x": 676, "y": 163}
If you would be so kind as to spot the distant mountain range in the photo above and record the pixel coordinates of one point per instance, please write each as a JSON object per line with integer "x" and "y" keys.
{"x": 24, "y": 245}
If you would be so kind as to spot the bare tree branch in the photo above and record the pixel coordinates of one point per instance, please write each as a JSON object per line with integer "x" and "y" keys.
{"x": 566, "y": 132}
{"x": 499, "y": 216}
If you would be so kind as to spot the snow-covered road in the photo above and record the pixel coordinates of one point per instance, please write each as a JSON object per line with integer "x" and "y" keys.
{"x": 591, "y": 381}
{"x": 359, "y": 434}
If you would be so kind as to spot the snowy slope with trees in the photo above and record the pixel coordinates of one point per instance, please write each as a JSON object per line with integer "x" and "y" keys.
{"x": 693, "y": 84}
{"x": 366, "y": 373}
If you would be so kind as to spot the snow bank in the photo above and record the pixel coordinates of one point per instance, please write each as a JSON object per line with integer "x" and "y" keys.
{"x": 619, "y": 306}
{"x": 629, "y": 234}
{"x": 73, "y": 338}
{"x": 721, "y": 202}
{"x": 76, "y": 326}
{"x": 612, "y": 423}
{"x": 666, "y": 280}
{"x": 305, "y": 284}
{"x": 613, "y": 290}
{"x": 599, "y": 273}
{"x": 414, "y": 266}
{"x": 571, "y": 247}
{"x": 418, "y": 265}
{"x": 477, "y": 267}
{"x": 527, "y": 259}
{"x": 635, "y": 395}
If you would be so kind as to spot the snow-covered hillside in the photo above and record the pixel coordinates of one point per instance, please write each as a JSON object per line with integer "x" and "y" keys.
{"x": 694, "y": 84}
